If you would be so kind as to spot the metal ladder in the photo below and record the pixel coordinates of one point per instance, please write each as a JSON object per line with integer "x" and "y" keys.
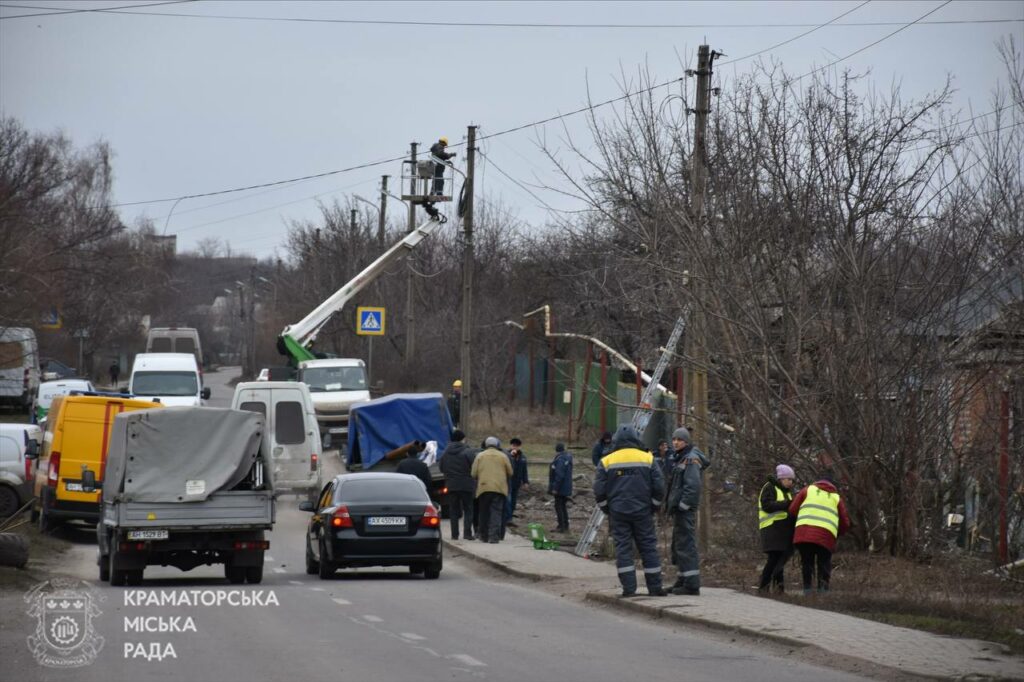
{"x": 641, "y": 418}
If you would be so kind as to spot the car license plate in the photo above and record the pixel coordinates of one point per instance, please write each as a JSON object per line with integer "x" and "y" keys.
{"x": 73, "y": 487}
{"x": 385, "y": 521}
{"x": 147, "y": 535}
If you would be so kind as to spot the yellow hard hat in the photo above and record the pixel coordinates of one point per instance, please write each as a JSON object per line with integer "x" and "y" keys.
{"x": 444, "y": 141}
{"x": 458, "y": 382}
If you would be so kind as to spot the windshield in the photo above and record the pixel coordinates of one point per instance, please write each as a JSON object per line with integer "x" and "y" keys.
{"x": 320, "y": 379}
{"x": 165, "y": 383}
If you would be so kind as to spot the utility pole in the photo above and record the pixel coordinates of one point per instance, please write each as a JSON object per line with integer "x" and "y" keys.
{"x": 382, "y": 221}
{"x": 410, "y": 291}
{"x": 352, "y": 222}
{"x": 468, "y": 262}
{"x": 699, "y": 341}
{"x": 252, "y": 322}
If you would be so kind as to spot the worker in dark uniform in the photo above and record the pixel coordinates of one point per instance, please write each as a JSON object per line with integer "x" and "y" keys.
{"x": 629, "y": 487}
{"x": 414, "y": 466}
{"x": 683, "y": 501}
{"x": 438, "y": 149}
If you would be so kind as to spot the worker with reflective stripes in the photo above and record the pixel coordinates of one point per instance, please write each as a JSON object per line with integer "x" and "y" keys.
{"x": 629, "y": 488}
{"x": 776, "y": 526}
{"x": 820, "y": 518}
{"x": 683, "y": 502}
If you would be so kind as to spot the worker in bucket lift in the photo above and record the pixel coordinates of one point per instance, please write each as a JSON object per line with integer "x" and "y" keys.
{"x": 438, "y": 150}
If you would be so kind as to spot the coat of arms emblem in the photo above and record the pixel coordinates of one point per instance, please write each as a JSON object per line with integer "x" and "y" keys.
{"x": 64, "y": 636}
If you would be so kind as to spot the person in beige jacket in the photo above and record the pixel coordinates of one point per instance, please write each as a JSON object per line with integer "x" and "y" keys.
{"x": 491, "y": 469}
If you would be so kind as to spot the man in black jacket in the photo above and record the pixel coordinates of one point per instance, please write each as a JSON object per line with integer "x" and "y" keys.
{"x": 683, "y": 501}
{"x": 456, "y": 464}
{"x": 438, "y": 150}
{"x": 414, "y": 466}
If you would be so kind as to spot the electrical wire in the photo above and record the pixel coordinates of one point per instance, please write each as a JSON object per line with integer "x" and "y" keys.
{"x": 495, "y": 24}
{"x": 59, "y": 10}
{"x": 870, "y": 45}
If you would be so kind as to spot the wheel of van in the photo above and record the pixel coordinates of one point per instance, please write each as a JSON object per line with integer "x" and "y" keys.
{"x": 13, "y": 550}
{"x": 325, "y": 569}
{"x": 234, "y": 574}
{"x": 8, "y": 502}
{"x": 312, "y": 565}
{"x": 104, "y": 563}
{"x": 254, "y": 574}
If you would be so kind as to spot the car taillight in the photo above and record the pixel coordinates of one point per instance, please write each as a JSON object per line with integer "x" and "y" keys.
{"x": 341, "y": 518}
{"x": 53, "y": 472}
{"x": 28, "y": 469}
{"x": 444, "y": 490}
{"x": 253, "y": 544}
{"x": 312, "y": 462}
{"x": 430, "y": 518}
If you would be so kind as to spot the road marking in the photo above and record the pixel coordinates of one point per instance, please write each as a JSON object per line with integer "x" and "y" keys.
{"x": 373, "y": 619}
{"x": 279, "y": 570}
{"x": 429, "y": 651}
{"x": 295, "y": 582}
{"x": 339, "y": 600}
{"x": 317, "y": 589}
{"x": 467, "y": 659}
{"x": 412, "y": 635}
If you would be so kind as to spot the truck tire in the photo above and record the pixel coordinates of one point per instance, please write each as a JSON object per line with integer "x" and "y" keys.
{"x": 118, "y": 576}
{"x": 254, "y": 574}
{"x": 104, "y": 562}
{"x": 234, "y": 574}
{"x": 13, "y": 550}
{"x": 134, "y": 577}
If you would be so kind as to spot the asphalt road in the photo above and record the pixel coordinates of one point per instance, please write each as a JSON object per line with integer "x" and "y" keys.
{"x": 377, "y": 625}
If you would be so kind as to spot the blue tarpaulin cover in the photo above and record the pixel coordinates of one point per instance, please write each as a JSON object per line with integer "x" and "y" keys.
{"x": 376, "y": 427}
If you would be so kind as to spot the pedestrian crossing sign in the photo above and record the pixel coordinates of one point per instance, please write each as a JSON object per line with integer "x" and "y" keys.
{"x": 369, "y": 321}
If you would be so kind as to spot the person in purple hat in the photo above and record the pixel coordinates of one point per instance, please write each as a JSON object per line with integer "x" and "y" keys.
{"x": 776, "y": 526}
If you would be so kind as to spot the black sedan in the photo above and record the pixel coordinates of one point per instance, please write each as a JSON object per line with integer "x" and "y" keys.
{"x": 371, "y": 519}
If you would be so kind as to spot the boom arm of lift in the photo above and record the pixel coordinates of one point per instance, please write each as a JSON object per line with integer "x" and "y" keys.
{"x": 296, "y": 338}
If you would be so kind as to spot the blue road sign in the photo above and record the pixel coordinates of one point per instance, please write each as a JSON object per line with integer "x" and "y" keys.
{"x": 370, "y": 321}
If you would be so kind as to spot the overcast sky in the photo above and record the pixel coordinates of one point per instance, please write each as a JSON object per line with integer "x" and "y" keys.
{"x": 193, "y": 105}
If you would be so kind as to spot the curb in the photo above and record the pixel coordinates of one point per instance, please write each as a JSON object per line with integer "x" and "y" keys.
{"x": 497, "y": 565}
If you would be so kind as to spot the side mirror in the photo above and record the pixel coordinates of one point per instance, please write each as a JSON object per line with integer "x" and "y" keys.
{"x": 306, "y": 506}
{"x": 206, "y": 393}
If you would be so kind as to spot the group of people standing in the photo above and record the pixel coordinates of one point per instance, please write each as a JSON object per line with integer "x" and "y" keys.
{"x": 483, "y": 485}
{"x": 810, "y": 522}
{"x": 631, "y": 486}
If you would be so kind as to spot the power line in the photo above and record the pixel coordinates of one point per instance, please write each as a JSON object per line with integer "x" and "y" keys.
{"x": 59, "y": 10}
{"x": 797, "y": 37}
{"x": 870, "y": 45}
{"x": 528, "y": 25}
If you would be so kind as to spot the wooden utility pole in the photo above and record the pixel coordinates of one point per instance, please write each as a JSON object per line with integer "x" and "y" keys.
{"x": 698, "y": 340}
{"x": 468, "y": 262}
{"x": 352, "y": 222}
{"x": 382, "y": 220}
{"x": 410, "y": 290}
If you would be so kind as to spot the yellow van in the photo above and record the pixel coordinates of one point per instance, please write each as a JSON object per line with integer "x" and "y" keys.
{"x": 69, "y": 473}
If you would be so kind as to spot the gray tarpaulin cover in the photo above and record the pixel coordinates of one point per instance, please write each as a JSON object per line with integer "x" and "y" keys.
{"x": 180, "y": 454}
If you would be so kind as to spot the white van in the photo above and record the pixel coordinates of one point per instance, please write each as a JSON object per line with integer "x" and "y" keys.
{"x": 171, "y": 377}
{"x": 291, "y": 423}
{"x": 336, "y": 384}
{"x": 19, "y": 367}
{"x": 48, "y": 390}
{"x": 19, "y": 449}
{"x": 175, "y": 340}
